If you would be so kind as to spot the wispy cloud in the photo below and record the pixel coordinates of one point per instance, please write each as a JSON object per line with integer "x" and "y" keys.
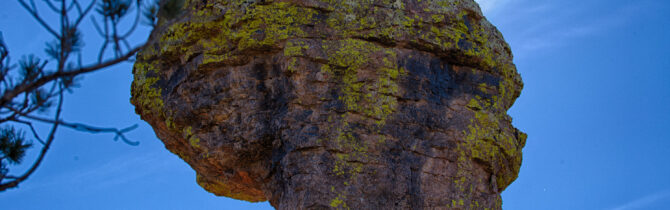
{"x": 644, "y": 201}
{"x": 111, "y": 173}
{"x": 490, "y": 5}
{"x": 532, "y": 26}
{"x": 118, "y": 171}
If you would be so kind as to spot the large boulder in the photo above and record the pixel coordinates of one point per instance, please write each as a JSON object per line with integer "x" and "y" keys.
{"x": 317, "y": 104}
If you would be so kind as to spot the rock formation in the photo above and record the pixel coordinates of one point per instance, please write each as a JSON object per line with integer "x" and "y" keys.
{"x": 336, "y": 104}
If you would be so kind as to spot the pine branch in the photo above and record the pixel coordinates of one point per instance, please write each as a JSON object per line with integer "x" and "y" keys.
{"x": 40, "y": 157}
{"x": 21, "y": 89}
{"x": 23, "y": 95}
{"x": 39, "y": 19}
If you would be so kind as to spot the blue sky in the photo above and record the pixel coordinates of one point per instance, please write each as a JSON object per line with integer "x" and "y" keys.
{"x": 595, "y": 106}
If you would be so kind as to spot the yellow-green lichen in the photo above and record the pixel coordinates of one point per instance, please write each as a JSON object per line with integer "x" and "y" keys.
{"x": 374, "y": 99}
{"x": 145, "y": 95}
{"x": 242, "y": 27}
{"x": 485, "y": 141}
{"x": 295, "y": 48}
{"x": 338, "y": 201}
{"x": 261, "y": 27}
{"x": 192, "y": 139}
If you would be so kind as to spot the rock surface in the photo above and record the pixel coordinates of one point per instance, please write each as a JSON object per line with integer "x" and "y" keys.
{"x": 320, "y": 104}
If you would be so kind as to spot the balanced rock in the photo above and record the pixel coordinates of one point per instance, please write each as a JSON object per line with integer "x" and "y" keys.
{"x": 336, "y": 104}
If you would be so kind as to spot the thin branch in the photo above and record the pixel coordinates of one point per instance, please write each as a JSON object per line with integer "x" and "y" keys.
{"x": 82, "y": 15}
{"x": 79, "y": 59}
{"x": 51, "y": 5}
{"x": 117, "y": 46}
{"x": 36, "y": 97}
{"x": 64, "y": 31}
{"x": 137, "y": 20}
{"x": 32, "y": 4}
{"x": 50, "y": 139}
{"x": 102, "y": 50}
{"x": 34, "y": 107}
{"x": 11, "y": 117}
{"x": 29, "y": 124}
{"x": 21, "y": 111}
{"x": 125, "y": 42}
{"x": 71, "y": 5}
{"x": 76, "y": 126}
{"x": 25, "y": 81}
{"x": 37, "y": 17}
{"x": 25, "y": 102}
{"x": 97, "y": 27}
{"x": 90, "y": 129}
{"x": 107, "y": 40}
{"x": 77, "y": 6}
{"x": 11, "y": 177}
{"x": 9, "y": 95}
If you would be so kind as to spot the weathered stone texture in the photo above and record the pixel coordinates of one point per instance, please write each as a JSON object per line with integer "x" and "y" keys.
{"x": 318, "y": 104}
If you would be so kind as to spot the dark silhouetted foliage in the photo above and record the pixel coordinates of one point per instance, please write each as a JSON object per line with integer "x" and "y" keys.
{"x": 32, "y": 90}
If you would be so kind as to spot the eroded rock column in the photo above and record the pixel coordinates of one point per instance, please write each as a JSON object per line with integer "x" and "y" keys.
{"x": 310, "y": 104}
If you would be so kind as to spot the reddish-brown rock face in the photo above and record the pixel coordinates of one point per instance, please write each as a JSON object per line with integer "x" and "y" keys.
{"x": 318, "y": 104}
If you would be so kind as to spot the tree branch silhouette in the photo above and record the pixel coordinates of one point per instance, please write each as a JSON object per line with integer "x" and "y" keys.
{"x": 29, "y": 88}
